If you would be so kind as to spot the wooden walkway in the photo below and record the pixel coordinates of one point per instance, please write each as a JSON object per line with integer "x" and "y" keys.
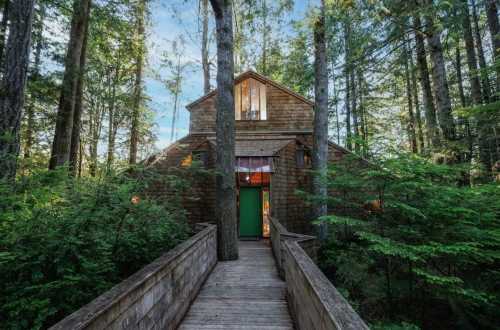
{"x": 246, "y": 294}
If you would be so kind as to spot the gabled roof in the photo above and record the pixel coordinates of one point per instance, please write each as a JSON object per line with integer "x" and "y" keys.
{"x": 257, "y": 76}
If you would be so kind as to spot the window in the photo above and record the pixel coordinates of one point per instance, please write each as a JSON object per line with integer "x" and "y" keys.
{"x": 201, "y": 156}
{"x": 198, "y": 156}
{"x": 303, "y": 157}
{"x": 250, "y": 100}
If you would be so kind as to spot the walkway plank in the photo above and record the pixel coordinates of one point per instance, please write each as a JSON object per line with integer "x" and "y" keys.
{"x": 246, "y": 294}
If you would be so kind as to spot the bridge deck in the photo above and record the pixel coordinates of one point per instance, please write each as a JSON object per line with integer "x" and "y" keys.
{"x": 245, "y": 294}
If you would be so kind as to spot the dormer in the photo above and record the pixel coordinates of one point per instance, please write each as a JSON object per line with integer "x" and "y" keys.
{"x": 261, "y": 105}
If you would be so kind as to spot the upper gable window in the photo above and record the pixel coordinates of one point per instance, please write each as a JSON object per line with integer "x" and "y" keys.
{"x": 250, "y": 100}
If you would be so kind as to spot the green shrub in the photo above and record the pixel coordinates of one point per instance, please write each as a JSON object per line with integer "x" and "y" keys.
{"x": 64, "y": 241}
{"x": 410, "y": 242}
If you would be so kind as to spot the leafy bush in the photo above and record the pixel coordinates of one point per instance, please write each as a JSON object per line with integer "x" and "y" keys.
{"x": 410, "y": 242}
{"x": 63, "y": 241}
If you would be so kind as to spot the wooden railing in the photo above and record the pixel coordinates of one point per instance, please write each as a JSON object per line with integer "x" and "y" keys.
{"x": 157, "y": 296}
{"x": 314, "y": 302}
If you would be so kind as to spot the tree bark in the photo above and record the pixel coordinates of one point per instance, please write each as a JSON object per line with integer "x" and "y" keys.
{"x": 354, "y": 111}
{"x": 227, "y": 226}
{"x": 418, "y": 115}
{"x": 264, "y": 38}
{"x": 485, "y": 80}
{"x": 471, "y": 55}
{"x": 320, "y": 136}
{"x": 3, "y": 29}
{"x": 425, "y": 83}
{"x": 494, "y": 26}
{"x": 347, "y": 38}
{"x": 409, "y": 98}
{"x": 176, "y": 98}
{"x": 77, "y": 116}
{"x": 458, "y": 68}
{"x": 38, "y": 27}
{"x": 439, "y": 78}
{"x": 112, "y": 125}
{"x": 136, "y": 109}
{"x": 13, "y": 84}
{"x": 362, "y": 112}
{"x": 61, "y": 144}
{"x": 204, "y": 48}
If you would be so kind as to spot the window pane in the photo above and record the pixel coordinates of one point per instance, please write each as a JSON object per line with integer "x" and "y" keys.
{"x": 254, "y": 99}
{"x": 237, "y": 101}
{"x": 263, "y": 105}
{"x": 245, "y": 100}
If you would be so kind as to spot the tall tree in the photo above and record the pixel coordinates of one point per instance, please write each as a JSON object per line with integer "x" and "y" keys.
{"x": 347, "y": 70}
{"x": 471, "y": 54}
{"x": 409, "y": 97}
{"x": 38, "y": 27}
{"x": 425, "y": 83}
{"x": 3, "y": 28}
{"x": 204, "y": 48}
{"x": 494, "y": 27}
{"x": 439, "y": 78}
{"x": 416, "y": 102}
{"x": 225, "y": 134}
{"x": 13, "y": 83}
{"x": 61, "y": 144}
{"x": 458, "y": 69}
{"x": 138, "y": 84}
{"x": 77, "y": 116}
{"x": 320, "y": 136}
{"x": 485, "y": 80}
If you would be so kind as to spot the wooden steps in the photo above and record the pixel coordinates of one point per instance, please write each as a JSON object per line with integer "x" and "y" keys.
{"x": 246, "y": 294}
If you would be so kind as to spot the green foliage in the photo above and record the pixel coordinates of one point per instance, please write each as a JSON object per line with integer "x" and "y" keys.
{"x": 409, "y": 242}
{"x": 64, "y": 241}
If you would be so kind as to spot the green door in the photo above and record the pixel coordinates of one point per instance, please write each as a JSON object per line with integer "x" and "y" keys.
{"x": 250, "y": 212}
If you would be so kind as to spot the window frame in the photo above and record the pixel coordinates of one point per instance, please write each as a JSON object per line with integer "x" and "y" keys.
{"x": 260, "y": 94}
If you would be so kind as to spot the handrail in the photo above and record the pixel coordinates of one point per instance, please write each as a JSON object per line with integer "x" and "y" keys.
{"x": 158, "y": 295}
{"x": 314, "y": 302}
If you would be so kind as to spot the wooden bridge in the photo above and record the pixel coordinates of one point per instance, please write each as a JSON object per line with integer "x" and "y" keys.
{"x": 273, "y": 285}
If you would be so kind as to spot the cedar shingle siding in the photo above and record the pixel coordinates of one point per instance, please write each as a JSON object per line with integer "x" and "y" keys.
{"x": 288, "y": 127}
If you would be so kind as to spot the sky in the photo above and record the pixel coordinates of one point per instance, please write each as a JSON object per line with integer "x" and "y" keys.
{"x": 170, "y": 20}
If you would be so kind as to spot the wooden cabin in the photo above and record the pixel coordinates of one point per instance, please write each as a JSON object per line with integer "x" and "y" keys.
{"x": 274, "y": 127}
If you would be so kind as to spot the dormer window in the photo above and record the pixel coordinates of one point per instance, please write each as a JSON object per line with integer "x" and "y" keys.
{"x": 250, "y": 100}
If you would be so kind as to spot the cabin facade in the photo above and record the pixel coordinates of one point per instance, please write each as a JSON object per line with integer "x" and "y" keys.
{"x": 274, "y": 127}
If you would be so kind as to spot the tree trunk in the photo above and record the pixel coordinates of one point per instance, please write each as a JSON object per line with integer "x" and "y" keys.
{"x": 227, "y": 226}
{"x": 347, "y": 38}
{"x": 471, "y": 55}
{"x": 439, "y": 79}
{"x": 354, "y": 110}
{"x": 204, "y": 48}
{"x": 176, "y": 98}
{"x": 494, "y": 26}
{"x": 112, "y": 126}
{"x": 430, "y": 110}
{"x": 77, "y": 116}
{"x": 320, "y": 136}
{"x": 35, "y": 75}
{"x": 3, "y": 29}
{"x": 136, "y": 108}
{"x": 420, "y": 132}
{"x": 264, "y": 38}
{"x": 65, "y": 114}
{"x": 335, "y": 96}
{"x": 458, "y": 68}
{"x": 485, "y": 80}
{"x": 409, "y": 97}
{"x": 362, "y": 113}
{"x": 13, "y": 84}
